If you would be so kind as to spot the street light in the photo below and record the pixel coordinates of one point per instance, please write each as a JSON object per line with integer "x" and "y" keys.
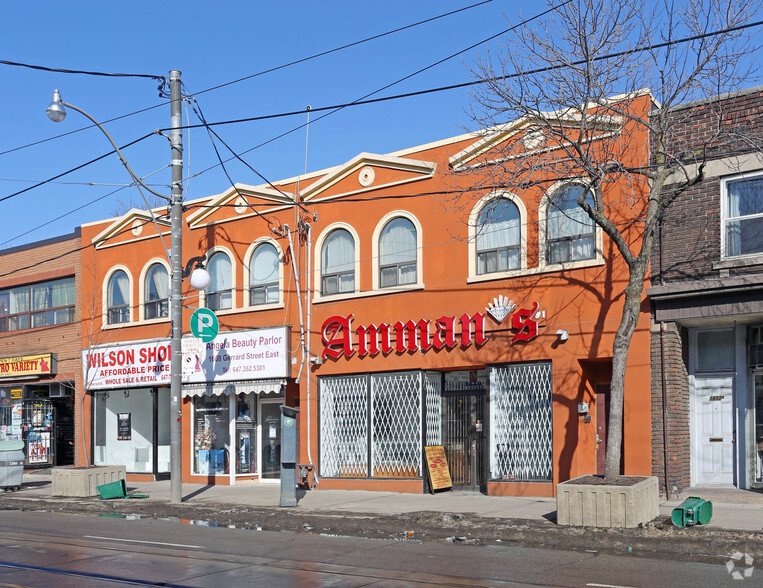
{"x": 199, "y": 277}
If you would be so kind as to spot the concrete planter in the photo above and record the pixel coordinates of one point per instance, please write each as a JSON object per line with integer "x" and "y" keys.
{"x": 82, "y": 482}
{"x": 588, "y": 502}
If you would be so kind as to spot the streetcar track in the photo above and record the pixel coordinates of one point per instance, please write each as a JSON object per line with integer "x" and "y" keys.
{"x": 237, "y": 561}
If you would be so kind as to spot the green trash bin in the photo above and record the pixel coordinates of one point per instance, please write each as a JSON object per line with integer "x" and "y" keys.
{"x": 112, "y": 490}
{"x": 692, "y": 511}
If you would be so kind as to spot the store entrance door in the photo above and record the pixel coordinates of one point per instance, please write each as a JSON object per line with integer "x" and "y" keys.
{"x": 270, "y": 436}
{"x": 464, "y": 437}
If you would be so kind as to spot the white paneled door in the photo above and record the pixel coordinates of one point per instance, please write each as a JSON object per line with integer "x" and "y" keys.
{"x": 714, "y": 427}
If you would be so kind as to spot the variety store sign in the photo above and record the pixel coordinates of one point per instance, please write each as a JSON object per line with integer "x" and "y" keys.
{"x": 341, "y": 337}
{"x": 233, "y": 355}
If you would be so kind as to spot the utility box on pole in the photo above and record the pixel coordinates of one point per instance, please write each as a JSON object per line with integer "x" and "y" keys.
{"x": 289, "y": 454}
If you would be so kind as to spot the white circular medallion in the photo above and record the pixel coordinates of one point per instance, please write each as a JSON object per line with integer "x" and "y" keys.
{"x": 366, "y": 176}
{"x": 137, "y": 227}
{"x": 533, "y": 139}
{"x": 241, "y": 205}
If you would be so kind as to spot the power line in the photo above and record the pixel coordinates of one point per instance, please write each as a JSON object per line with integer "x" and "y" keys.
{"x": 161, "y": 79}
{"x": 260, "y": 73}
{"x": 363, "y": 102}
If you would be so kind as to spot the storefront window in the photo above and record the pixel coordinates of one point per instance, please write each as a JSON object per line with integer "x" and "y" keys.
{"x": 211, "y": 441}
{"x": 393, "y": 415}
{"x": 246, "y": 438}
{"x": 521, "y": 424}
{"x": 124, "y": 429}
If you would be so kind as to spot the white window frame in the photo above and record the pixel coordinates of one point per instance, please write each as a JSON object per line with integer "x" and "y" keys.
{"x": 142, "y": 290}
{"x": 318, "y": 261}
{"x": 419, "y": 284}
{"x": 203, "y": 294}
{"x": 472, "y": 241}
{"x": 543, "y": 263}
{"x": 105, "y": 298}
{"x": 758, "y": 257}
{"x": 247, "y": 275}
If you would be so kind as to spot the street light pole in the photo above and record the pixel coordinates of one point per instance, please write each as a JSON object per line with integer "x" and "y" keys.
{"x": 199, "y": 278}
{"x": 176, "y": 290}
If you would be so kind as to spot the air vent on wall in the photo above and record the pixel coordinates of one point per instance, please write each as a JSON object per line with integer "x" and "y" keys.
{"x": 58, "y": 390}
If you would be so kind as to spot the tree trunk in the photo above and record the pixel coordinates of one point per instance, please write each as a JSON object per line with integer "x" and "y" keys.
{"x": 631, "y": 311}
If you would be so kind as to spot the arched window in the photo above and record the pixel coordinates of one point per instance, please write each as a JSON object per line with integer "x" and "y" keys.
{"x": 397, "y": 253}
{"x": 498, "y": 237}
{"x": 219, "y": 295}
{"x": 118, "y": 298}
{"x": 156, "y": 302}
{"x": 338, "y": 263}
{"x": 263, "y": 275}
{"x": 570, "y": 232}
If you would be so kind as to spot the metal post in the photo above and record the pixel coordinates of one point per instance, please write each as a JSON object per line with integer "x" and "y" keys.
{"x": 176, "y": 290}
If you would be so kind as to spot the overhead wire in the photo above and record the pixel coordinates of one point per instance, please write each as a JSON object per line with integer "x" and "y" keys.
{"x": 399, "y": 96}
{"x": 260, "y": 73}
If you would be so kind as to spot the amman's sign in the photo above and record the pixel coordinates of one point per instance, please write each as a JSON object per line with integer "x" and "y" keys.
{"x": 340, "y": 337}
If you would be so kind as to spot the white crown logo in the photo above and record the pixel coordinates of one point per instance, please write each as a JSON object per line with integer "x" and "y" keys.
{"x": 500, "y": 308}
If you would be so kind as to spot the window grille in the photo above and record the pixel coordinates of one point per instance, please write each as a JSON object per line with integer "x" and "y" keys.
{"x": 433, "y": 385}
{"x": 382, "y": 429}
{"x": 344, "y": 426}
{"x": 521, "y": 422}
{"x": 396, "y": 425}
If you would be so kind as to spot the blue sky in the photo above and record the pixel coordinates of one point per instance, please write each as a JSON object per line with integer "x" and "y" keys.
{"x": 212, "y": 44}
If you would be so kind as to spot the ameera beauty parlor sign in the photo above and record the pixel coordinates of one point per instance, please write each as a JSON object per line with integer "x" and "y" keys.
{"x": 341, "y": 337}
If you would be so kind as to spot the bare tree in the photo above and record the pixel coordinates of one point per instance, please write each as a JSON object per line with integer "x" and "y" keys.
{"x": 558, "y": 80}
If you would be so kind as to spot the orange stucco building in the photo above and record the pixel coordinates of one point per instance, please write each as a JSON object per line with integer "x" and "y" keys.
{"x": 399, "y": 301}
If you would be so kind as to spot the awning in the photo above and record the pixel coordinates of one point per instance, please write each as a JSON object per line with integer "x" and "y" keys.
{"x": 218, "y": 389}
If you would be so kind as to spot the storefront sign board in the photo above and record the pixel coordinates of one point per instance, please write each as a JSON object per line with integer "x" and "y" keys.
{"x": 439, "y": 473}
{"x": 237, "y": 355}
{"x": 232, "y": 355}
{"x": 146, "y": 363}
{"x": 42, "y": 364}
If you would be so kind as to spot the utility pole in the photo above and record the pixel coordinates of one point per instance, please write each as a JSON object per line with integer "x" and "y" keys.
{"x": 176, "y": 290}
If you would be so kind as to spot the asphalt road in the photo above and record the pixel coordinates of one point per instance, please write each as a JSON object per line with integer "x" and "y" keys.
{"x": 53, "y": 549}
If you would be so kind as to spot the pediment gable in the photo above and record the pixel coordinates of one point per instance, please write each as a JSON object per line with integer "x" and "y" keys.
{"x": 134, "y": 225}
{"x": 366, "y": 172}
{"x": 524, "y": 136}
{"x": 238, "y": 202}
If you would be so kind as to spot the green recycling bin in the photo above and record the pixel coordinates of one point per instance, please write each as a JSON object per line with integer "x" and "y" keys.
{"x": 692, "y": 511}
{"x": 112, "y": 490}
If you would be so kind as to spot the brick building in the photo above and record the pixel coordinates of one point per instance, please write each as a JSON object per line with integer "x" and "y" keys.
{"x": 393, "y": 316}
{"x": 707, "y": 297}
{"x": 40, "y": 352}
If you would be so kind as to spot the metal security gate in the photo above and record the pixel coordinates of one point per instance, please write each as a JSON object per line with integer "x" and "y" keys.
{"x": 464, "y": 436}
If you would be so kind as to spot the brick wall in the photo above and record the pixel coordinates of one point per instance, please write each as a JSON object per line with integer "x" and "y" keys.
{"x": 45, "y": 260}
{"x": 690, "y": 240}
{"x": 672, "y": 353}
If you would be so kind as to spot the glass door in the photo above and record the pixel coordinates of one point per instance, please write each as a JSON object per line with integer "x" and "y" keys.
{"x": 270, "y": 438}
{"x": 246, "y": 438}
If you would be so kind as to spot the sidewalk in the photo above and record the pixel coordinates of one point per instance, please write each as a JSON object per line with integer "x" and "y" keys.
{"x": 732, "y": 508}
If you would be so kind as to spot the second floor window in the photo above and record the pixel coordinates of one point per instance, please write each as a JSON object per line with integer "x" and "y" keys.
{"x": 743, "y": 222}
{"x": 263, "y": 275}
{"x": 498, "y": 237}
{"x": 338, "y": 263}
{"x": 156, "y": 292}
{"x": 397, "y": 253}
{"x": 219, "y": 295}
{"x": 570, "y": 232}
{"x": 37, "y": 305}
{"x": 118, "y": 298}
